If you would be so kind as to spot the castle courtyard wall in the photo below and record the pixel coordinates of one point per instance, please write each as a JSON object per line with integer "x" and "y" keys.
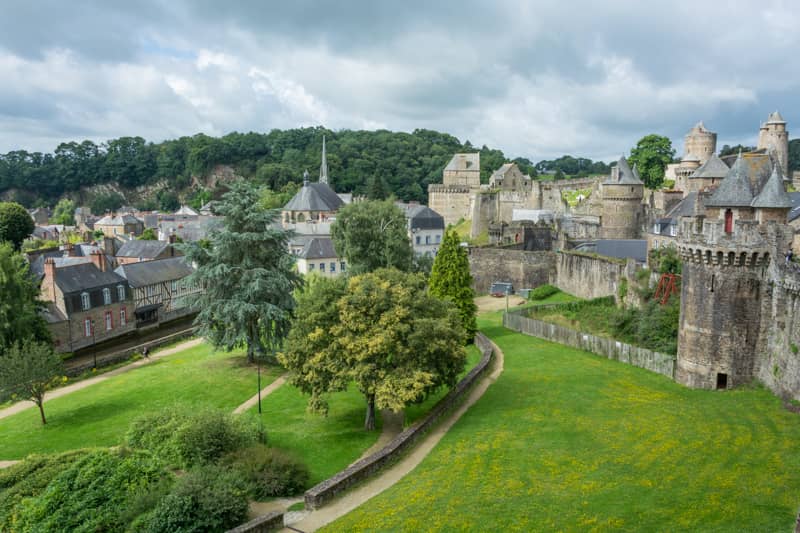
{"x": 522, "y": 268}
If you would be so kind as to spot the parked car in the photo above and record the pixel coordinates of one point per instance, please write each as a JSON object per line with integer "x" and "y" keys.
{"x": 501, "y": 288}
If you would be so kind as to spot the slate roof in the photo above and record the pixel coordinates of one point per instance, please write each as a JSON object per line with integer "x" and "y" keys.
{"x": 735, "y": 189}
{"x": 625, "y": 176}
{"x": 620, "y": 248}
{"x": 684, "y": 208}
{"x": 84, "y": 276}
{"x": 775, "y": 117}
{"x": 314, "y": 197}
{"x": 119, "y": 220}
{"x": 318, "y": 248}
{"x": 713, "y": 168}
{"x": 773, "y": 194}
{"x": 421, "y": 216}
{"x": 795, "y": 212}
{"x": 464, "y": 162}
{"x": 186, "y": 210}
{"x": 144, "y": 249}
{"x": 152, "y": 272}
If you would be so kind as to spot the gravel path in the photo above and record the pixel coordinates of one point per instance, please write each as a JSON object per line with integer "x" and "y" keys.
{"x": 63, "y": 391}
{"x": 264, "y": 392}
{"x": 360, "y": 495}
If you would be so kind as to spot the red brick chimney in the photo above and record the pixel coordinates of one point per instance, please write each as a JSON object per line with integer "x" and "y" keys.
{"x": 69, "y": 250}
{"x": 99, "y": 260}
{"x": 48, "y": 289}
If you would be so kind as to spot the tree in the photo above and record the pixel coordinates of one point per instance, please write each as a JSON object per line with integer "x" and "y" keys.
{"x": 451, "y": 280}
{"x": 377, "y": 189}
{"x": 28, "y": 369}
{"x": 794, "y": 155}
{"x": 651, "y": 155}
{"x": 383, "y": 332}
{"x": 20, "y": 308}
{"x": 64, "y": 212}
{"x": 733, "y": 150}
{"x": 15, "y": 223}
{"x": 372, "y": 235}
{"x": 247, "y": 274}
{"x": 149, "y": 234}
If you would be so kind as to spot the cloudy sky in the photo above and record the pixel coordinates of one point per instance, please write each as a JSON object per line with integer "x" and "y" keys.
{"x": 535, "y": 79}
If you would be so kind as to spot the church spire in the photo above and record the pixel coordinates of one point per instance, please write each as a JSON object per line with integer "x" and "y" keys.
{"x": 323, "y": 168}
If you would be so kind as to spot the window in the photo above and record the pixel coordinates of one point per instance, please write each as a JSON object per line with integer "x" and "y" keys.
{"x": 109, "y": 321}
{"x": 123, "y": 317}
{"x": 311, "y": 266}
{"x": 438, "y": 238}
{"x": 418, "y": 239}
{"x": 728, "y": 221}
{"x": 87, "y": 327}
{"x": 106, "y": 296}
{"x": 342, "y": 267}
{"x": 333, "y": 267}
{"x": 121, "y": 293}
{"x": 655, "y": 228}
{"x": 174, "y": 286}
{"x": 322, "y": 267}
{"x": 427, "y": 239}
{"x": 85, "y": 301}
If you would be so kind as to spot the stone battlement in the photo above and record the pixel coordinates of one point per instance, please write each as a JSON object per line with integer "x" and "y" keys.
{"x": 441, "y": 188}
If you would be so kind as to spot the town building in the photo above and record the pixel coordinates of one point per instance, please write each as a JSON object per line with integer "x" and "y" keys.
{"x": 125, "y": 224}
{"x": 425, "y": 228}
{"x": 319, "y": 256}
{"x": 135, "y": 251}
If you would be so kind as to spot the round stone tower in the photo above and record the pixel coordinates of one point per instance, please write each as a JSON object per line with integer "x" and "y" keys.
{"x": 774, "y": 137}
{"x": 699, "y": 144}
{"x": 622, "y": 195}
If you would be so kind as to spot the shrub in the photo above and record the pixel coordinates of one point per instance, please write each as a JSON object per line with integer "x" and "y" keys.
{"x": 92, "y": 494}
{"x": 207, "y": 499}
{"x": 270, "y": 472}
{"x": 185, "y": 439}
{"x": 543, "y": 291}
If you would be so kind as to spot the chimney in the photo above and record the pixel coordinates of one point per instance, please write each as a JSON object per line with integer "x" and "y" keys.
{"x": 49, "y": 280}
{"x": 69, "y": 250}
{"x": 108, "y": 246}
{"x": 172, "y": 238}
{"x": 99, "y": 260}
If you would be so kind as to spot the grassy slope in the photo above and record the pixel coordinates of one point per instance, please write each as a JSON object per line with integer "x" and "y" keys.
{"x": 100, "y": 414}
{"x": 565, "y": 440}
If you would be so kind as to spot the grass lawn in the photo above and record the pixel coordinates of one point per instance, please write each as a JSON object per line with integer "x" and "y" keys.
{"x": 100, "y": 414}
{"x": 329, "y": 444}
{"x": 568, "y": 441}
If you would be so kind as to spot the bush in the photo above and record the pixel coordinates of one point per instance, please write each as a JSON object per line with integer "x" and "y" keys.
{"x": 543, "y": 291}
{"x": 185, "y": 439}
{"x": 207, "y": 499}
{"x": 94, "y": 493}
{"x": 270, "y": 472}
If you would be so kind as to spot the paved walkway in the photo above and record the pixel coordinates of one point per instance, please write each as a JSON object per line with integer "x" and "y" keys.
{"x": 360, "y": 495}
{"x": 264, "y": 392}
{"x": 63, "y": 391}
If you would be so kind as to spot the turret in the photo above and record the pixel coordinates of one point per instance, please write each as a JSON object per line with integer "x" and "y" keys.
{"x": 622, "y": 196}
{"x": 774, "y": 138}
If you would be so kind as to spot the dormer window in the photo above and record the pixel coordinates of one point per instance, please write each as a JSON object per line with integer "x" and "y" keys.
{"x": 106, "y": 296}
{"x": 121, "y": 292}
{"x": 85, "y": 305}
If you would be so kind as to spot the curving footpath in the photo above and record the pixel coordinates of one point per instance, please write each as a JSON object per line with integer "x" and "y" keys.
{"x": 361, "y": 494}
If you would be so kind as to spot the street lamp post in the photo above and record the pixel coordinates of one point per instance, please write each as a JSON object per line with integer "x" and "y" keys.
{"x": 94, "y": 348}
{"x": 258, "y": 364}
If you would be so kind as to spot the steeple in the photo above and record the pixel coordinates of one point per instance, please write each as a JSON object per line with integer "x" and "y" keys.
{"x": 323, "y": 168}
{"x": 305, "y": 178}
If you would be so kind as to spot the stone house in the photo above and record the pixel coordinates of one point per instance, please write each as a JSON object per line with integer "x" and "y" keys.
{"x": 425, "y": 228}
{"x": 161, "y": 292}
{"x": 86, "y": 303}
{"x": 135, "y": 251}
{"x": 319, "y": 255}
{"x": 125, "y": 224}
{"x": 40, "y": 216}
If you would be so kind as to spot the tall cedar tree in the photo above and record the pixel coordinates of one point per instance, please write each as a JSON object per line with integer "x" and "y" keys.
{"x": 383, "y": 332}
{"x": 372, "y": 235}
{"x": 247, "y": 274}
{"x": 28, "y": 369}
{"x": 451, "y": 280}
{"x": 15, "y": 224}
{"x": 20, "y": 308}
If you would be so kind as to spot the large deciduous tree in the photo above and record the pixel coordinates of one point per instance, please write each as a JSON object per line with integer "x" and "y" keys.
{"x": 64, "y": 212}
{"x": 652, "y": 154}
{"x": 28, "y": 369}
{"x": 20, "y": 315}
{"x": 15, "y": 223}
{"x": 247, "y": 274}
{"x": 383, "y": 332}
{"x": 372, "y": 235}
{"x": 451, "y": 280}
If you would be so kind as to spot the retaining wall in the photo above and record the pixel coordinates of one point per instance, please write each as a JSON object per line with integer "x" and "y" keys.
{"x": 263, "y": 524}
{"x": 591, "y": 276}
{"x": 523, "y": 269}
{"x": 325, "y": 491}
{"x": 633, "y": 355}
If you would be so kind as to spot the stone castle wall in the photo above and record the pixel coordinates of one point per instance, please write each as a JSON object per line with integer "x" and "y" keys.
{"x": 590, "y": 276}
{"x": 523, "y": 269}
{"x": 450, "y": 201}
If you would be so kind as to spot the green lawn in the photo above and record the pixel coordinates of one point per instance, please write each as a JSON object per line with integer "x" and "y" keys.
{"x": 568, "y": 441}
{"x": 100, "y": 414}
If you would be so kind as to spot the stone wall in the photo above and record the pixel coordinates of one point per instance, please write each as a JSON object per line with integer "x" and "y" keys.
{"x": 590, "y": 276}
{"x": 325, "y": 491}
{"x": 523, "y": 269}
{"x": 450, "y": 201}
{"x": 263, "y": 524}
{"x": 657, "y": 362}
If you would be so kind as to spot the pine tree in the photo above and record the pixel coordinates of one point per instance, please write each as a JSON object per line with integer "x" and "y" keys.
{"x": 247, "y": 274}
{"x": 451, "y": 280}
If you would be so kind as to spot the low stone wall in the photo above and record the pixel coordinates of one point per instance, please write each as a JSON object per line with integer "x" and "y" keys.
{"x": 590, "y": 276}
{"x": 523, "y": 269}
{"x": 263, "y": 524}
{"x": 127, "y": 353}
{"x": 633, "y": 355}
{"x": 325, "y": 491}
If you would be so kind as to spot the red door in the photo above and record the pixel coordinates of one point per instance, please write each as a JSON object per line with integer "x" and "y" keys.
{"x": 728, "y": 221}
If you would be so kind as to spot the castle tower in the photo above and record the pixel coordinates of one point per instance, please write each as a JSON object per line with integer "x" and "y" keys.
{"x": 725, "y": 255}
{"x": 622, "y": 196}
{"x": 323, "y": 168}
{"x": 773, "y": 137}
{"x": 699, "y": 144}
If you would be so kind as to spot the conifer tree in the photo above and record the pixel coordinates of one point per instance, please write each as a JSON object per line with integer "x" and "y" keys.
{"x": 247, "y": 274}
{"x": 451, "y": 280}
